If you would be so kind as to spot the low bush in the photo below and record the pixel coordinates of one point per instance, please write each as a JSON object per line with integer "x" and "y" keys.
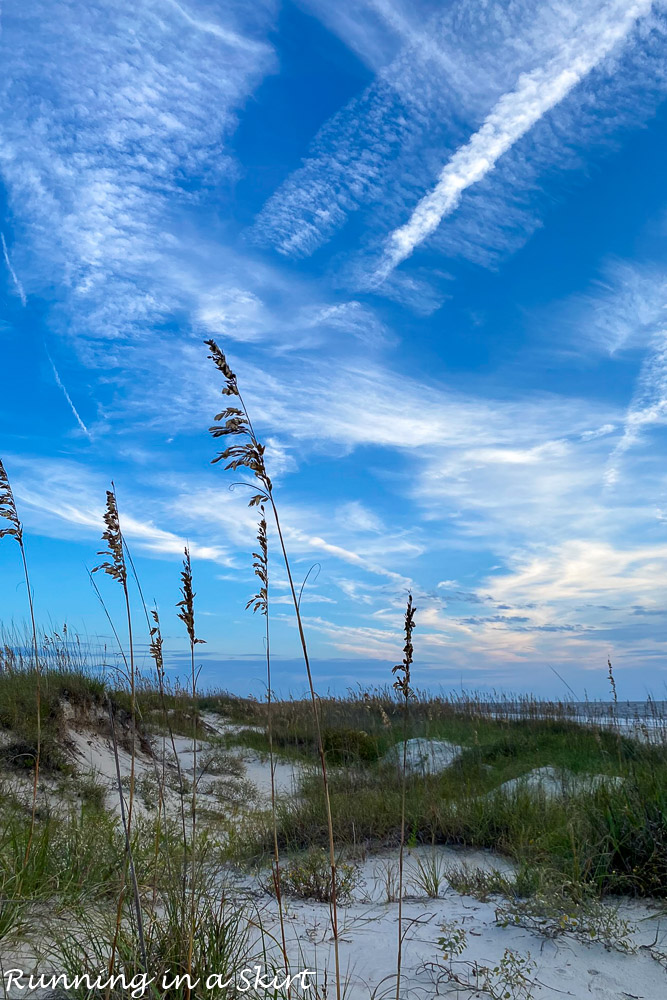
{"x": 309, "y": 877}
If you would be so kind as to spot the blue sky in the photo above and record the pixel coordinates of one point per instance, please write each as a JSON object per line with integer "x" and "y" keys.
{"x": 430, "y": 238}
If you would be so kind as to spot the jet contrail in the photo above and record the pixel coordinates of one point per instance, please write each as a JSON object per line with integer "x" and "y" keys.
{"x": 17, "y": 283}
{"x": 60, "y": 384}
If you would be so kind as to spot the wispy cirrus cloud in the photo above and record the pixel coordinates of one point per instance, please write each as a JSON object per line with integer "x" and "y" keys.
{"x": 512, "y": 117}
{"x": 647, "y": 410}
{"x": 626, "y": 312}
{"x": 115, "y": 119}
{"x": 61, "y": 385}
{"x": 491, "y": 72}
{"x": 64, "y": 499}
{"x": 419, "y": 456}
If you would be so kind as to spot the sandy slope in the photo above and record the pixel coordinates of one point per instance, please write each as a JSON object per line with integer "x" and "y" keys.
{"x": 241, "y": 776}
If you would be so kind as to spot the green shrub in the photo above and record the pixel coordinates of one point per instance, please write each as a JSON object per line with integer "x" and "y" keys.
{"x": 309, "y": 877}
{"x": 345, "y": 746}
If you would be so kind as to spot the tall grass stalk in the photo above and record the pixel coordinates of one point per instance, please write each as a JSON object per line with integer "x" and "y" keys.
{"x": 128, "y": 845}
{"x": 186, "y": 613}
{"x": 402, "y": 687}
{"x": 234, "y": 421}
{"x": 156, "y": 651}
{"x": 116, "y": 567}
{"x": 260, "y": 602}
{"x": 8, "y": 512}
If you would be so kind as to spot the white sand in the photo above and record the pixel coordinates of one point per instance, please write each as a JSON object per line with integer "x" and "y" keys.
{"x": 368, "y": 936}
{"x": 424, "y": 756}
{"x": 556, "y": 783}
{"x": 246, "y": 779}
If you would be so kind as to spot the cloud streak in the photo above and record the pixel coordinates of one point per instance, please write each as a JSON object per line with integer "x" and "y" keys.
{"x": 380, "y": 152}
{"x": 62, "y": 387}
{"x": 513, "y": 116}
{"x": 142, "y": 102}
{"x": 17, "y": 284}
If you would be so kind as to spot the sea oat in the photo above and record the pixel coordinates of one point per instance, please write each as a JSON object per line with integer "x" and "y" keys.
{"x": 235, "y": 421}
{"x": 8, "y": 510}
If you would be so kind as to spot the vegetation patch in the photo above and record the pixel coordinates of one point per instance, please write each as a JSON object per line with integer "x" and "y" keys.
{"x": 309, "y": 877}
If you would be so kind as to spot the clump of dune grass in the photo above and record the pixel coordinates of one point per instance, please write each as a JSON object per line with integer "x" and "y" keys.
{"x": 308, "y": 876}
{"x": 613, "y": 835}
{"x": 222, "y": 944}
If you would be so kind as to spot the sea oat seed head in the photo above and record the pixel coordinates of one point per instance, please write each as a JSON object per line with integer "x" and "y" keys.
{"x": 8, "y": 508}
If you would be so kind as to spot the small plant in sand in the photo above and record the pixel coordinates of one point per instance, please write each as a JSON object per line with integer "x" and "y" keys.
{"x": 385, "y": 874}
{"x": 453, "y": 940}
{"x": 309, "y": 877}
{"x": 551, "y": 912}
{"x": 480, "y": 882}
{"x": 511, "y": 978}
{"x": 428, "y": 875}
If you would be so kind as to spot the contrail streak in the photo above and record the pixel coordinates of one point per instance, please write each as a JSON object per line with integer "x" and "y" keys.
{"x": 17, "y": 283}
{"x": 60, "y": 384}
{"x": 512, "y": 117}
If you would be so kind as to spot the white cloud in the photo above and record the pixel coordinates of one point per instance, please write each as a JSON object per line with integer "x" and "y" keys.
{"x": 598, "y": 432}
{"x": 228, "y": 510}
{"x": 386, "y": 147}
{"x": 68, "y": 398}
{"x": 515, "y": 114}
{"x": 584, "y": 571}
{"x": 112, "y": 118}
{"x": 647, "y": 409}
{"x": 62, "y": 499}
{"x": 356, "y": 516}
{"x": 626, "y": 311}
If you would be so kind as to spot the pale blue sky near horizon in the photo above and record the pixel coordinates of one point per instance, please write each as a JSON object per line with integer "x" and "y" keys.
{"x": 430, "y": 237}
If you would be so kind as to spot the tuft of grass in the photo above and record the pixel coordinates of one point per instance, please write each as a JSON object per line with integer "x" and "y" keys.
{"x": 222, "y": 946}
{"x": 309, "y": 877}
{"x": 428, "y": 875}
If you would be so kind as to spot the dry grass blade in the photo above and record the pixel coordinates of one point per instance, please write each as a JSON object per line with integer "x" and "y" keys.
{"x": 115, "y": 566}
{"x": 186, "y": 612}
{"x": 260, "y": 602}
{"x": 402, "y": 671}
{"x": 9, "y": 513}
{"x": 155, "y": 647}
